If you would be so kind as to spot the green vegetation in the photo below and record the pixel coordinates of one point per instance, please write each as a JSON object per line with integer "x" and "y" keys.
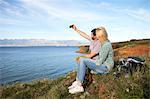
{"x": 136, "y": 86}
{"x": 83, "y": 49}
{"x": 131, "y": 43}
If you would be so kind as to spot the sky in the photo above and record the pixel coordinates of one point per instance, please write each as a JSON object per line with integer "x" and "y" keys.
{"x": 50, "y": 19}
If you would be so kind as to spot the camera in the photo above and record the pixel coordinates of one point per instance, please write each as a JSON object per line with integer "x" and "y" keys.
{"x": 70, "y": 26}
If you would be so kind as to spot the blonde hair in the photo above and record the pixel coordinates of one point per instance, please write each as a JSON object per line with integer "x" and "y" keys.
{"x": 101, "y": 34}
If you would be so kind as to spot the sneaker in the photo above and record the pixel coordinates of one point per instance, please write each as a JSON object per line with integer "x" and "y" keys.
{"x": 76, "y": 89}
{"x": 75, "y": 83}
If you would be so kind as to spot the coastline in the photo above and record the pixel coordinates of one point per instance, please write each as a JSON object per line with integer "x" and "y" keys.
{"x": 105, "y": 86}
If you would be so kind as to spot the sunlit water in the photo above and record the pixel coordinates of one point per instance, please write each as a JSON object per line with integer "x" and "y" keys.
{"x": 23, "y": 64}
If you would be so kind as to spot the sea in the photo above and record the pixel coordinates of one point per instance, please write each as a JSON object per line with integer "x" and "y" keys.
{"x": 25, "y": 64}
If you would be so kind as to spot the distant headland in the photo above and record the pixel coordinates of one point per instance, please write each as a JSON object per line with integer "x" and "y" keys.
{"x": 40, "y": 42}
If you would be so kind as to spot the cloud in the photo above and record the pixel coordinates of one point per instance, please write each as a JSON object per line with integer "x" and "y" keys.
{"x": 9, "y": 9}
{"x": 46, "y": 16}
{"x": 130, "y": 30}
{"x": 16, "y": 14}
{"x": 10, "y": 21}
{"x": 99, "y": 5}
{"x": 57, "y": 11}
{"x": 139, "y": 14}
{"x": 48, "y": 11}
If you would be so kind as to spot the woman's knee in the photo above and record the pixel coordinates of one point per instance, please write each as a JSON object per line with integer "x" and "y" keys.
{"x": 82, "y": 59}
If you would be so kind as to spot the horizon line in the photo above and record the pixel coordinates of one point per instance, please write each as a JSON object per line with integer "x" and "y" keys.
{"x": 64, "y": 39}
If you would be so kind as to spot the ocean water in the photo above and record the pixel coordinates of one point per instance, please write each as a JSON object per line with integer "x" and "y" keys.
{"x": 24, "y": 64}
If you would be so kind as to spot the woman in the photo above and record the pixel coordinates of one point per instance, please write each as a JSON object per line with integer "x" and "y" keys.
{"x": 102, "y": 65}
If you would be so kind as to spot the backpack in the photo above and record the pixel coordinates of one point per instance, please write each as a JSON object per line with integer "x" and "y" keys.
{"x": 128, "y": 65}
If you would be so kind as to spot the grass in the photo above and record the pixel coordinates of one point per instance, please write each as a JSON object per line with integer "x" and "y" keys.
{"x": 136, "y": 86}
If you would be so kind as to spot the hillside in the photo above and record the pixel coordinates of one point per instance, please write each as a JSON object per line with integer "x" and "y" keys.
{"x": 131, "y": 43}
{"x": 102, "y": 87}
